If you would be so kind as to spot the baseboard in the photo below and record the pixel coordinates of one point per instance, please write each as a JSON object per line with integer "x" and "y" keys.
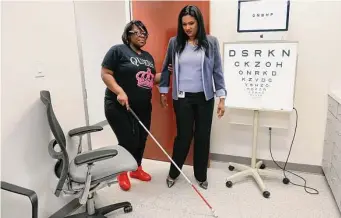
{"x": 315, "y": 169}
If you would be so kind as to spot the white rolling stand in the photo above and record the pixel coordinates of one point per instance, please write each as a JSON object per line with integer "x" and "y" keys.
{"x": 256, "y": 170}
{"x": 260, "y": 76}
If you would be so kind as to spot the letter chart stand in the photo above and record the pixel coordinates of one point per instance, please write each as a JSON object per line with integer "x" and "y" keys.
{"x": 256, "y": 170}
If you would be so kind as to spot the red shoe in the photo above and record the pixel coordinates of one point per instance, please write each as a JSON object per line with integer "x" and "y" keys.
{"x": 124, "y": 181}
{"x": 140, "y": 174}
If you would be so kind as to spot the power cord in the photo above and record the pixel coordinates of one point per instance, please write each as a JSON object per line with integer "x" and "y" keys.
{"x": 286, "y": 180}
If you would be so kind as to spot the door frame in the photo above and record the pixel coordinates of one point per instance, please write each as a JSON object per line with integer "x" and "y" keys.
{"x": 82, "y": 72}
{"x": 128, "y": 10}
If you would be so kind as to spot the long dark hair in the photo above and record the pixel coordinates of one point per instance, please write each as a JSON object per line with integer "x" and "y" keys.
{"x": 182, "y": 37}
{"x": 129, "y": 27}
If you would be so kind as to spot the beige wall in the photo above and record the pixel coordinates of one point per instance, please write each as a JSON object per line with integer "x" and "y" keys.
{"x": 40, "y": 36}
{"x": 319, "y": 35}
{"x": 36, "y": 36}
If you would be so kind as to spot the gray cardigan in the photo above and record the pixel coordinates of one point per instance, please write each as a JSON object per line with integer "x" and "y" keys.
{"x": 212, "y": 73}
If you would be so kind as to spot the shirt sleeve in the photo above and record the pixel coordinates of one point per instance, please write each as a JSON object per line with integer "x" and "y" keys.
{"x": 165, "y": 74}
{"x": 218, "y": 75}
{"x": 111, "y": 58}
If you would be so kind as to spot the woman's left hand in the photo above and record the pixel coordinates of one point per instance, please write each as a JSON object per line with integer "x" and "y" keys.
{"x": 221, "y": 108}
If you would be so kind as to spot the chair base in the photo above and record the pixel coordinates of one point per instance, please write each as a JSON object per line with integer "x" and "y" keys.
{"x": 91, "y": 211}
{"x": 256, "y": 172}
{"x": 100, "y": 212}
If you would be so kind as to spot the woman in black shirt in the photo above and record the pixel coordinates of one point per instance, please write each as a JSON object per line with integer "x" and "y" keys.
{"x": 129, "y": 74}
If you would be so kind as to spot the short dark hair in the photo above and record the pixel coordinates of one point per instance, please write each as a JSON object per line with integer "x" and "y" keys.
{"x": 129, "y": 27}
{"x": 182, "y": 37}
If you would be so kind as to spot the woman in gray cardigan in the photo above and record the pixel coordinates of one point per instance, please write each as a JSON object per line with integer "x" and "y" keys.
{"x": 198, "y": 77}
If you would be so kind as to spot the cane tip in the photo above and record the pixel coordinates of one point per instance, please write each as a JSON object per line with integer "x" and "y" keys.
{"x": 214, "y": 214}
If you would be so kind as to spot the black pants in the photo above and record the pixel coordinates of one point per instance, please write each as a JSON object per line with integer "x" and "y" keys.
{"x": 193, "y": 117}
{"x": 130, "y": 134}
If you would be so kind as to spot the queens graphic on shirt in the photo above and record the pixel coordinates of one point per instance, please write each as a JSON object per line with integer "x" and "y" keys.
{"x": 145, "y": 79}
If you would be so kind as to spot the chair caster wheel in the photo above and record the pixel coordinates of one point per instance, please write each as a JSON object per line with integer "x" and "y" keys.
{"x": 262, "y": 166}
{"x": 286, "y": 181}
{"x": 128, "y": 209}
{"x": 231, "y": 168}
{"x": 229, "y": 184}
{"x": 266, "y": 194}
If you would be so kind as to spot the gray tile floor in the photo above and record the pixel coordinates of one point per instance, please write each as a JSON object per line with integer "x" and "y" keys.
{"x": 243, "y": 200}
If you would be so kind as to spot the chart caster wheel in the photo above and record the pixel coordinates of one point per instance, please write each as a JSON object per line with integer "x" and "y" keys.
{"x": 231, "y": 168}
{"x": 228, "y": 184}
{"x": 128, "y": 209}
{"x": 266, "y": 194}
{"x": 262, "y": 166}
{"x": 286, "y": 181}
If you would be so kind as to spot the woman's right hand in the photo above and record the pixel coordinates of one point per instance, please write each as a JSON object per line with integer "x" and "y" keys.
{"x": 170, "y": 68}
{"x": 163, "y": 101}
{"x": 122, "y": 98}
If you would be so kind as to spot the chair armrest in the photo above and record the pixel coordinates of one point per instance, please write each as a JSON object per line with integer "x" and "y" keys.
{"x": 84, "y": 130}
{"x": 23, "y": 191}
{"x": 94, "y": 156}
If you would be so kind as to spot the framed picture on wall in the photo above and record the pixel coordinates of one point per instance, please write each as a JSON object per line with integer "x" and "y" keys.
{"x": 263, "y": 15}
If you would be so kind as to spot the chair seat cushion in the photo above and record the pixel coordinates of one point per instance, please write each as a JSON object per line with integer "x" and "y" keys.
{"x": 123, "y": 161}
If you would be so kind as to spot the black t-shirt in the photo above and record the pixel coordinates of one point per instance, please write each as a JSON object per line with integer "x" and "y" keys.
{"x": 133, "y": 72}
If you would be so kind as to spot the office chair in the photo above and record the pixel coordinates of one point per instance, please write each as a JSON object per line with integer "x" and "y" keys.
{"x": 88, "y": 172}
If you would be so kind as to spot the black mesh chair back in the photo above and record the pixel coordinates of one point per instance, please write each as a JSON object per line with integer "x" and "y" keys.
{"x": 62, "y": 166}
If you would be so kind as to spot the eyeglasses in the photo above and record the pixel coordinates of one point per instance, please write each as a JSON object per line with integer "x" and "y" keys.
{"x": 139, "y": 34}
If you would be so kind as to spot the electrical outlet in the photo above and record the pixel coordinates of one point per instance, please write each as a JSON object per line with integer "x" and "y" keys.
{"x": 40, "y": 73}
